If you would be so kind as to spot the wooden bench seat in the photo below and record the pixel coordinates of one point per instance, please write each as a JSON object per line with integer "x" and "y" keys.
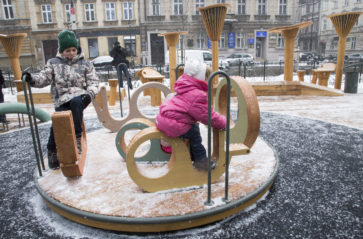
{"x": 323, "y": 73}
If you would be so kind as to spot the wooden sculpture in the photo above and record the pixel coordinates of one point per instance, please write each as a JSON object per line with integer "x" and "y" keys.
{"x": 71, "y": 163}
{"x": 181, "y": 172}
{"x": 12, "y": 44}
{"x": 104, "y": 116}
{"x": 172, "y": 39}
{"x": 213, "y": 17}
{"x": 343, "y": 24}
{"x": 149, "y": 74}
{"x": 289, "y": 33}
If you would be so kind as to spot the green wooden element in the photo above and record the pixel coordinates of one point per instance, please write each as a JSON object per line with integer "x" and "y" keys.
{"x": 8, "y": 108}
{"x": 155, "y": 153}
{"x": 238, "y": 131}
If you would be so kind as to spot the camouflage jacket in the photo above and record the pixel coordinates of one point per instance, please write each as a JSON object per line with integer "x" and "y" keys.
{"x": 68, "y": 78}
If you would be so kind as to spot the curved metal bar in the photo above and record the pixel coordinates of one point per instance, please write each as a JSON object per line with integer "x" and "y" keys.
{"x": 210, "y": 84}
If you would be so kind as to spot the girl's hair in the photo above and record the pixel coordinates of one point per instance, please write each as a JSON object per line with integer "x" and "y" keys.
{"x": 208, "y": 72}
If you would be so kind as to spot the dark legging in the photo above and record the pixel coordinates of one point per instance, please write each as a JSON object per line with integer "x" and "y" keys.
{"x": 197, "y": 149}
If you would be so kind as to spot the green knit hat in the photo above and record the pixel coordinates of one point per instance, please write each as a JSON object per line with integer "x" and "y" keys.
{"x": 66, "y": 39}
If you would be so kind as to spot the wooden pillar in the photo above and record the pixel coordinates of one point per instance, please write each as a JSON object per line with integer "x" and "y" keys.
{"x": 113, "y": 90}
{"x": 313, "y": 80}
{"x": 172, "y": 39}
{"x": 289, "y": 33}
{"x": 12, "y": 45}
{"x": 289, "y": 36}
{"x": 343, "y": 24}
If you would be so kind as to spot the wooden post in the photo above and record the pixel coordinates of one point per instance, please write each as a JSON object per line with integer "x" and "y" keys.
{"x": 289, "y": 33}
{"x": 301, "y": 75}
{"x": 315, "y": 76}
{"x": 113, "y": 90}
{"x": 343, "y": 24}
{"x": 172, "y": 39}
{"x": 213, "y": 17}
{"x": 12, "y": 44}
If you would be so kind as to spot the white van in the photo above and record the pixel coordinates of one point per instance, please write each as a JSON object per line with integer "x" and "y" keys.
{"x": 202, "y": 55}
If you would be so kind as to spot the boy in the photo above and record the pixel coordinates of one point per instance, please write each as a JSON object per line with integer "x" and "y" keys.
{"x": 74, "y": 84}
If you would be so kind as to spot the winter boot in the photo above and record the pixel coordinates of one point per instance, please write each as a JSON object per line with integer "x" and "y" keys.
{"x": 202, "y": 164}
{"x": 53, "y": 162}
{"x": 79, "y": 145}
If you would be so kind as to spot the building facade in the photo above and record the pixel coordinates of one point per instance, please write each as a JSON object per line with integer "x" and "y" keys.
{"x": 137, "y": 23}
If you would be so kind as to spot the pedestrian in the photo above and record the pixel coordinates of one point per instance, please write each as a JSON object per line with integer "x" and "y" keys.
{"x": 2, "y": 83}
{"x": 119, "y": 55}
{"x": 179, "y": 115}
{"x": 74, "y": 84}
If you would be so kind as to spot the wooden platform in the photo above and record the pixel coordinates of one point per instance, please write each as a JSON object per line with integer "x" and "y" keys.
{"x": 293, "y": 88}
{"x": 106, "y": 197}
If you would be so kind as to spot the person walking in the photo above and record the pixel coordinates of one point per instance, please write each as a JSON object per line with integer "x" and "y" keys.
{"x": 119, "y": 55}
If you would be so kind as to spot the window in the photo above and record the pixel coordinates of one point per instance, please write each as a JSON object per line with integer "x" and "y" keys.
{"x": 222, "y": 40}
{"x": 110, "y": 11}
{"x": 93, "y": 47}
{"x": 110, "y": 42}
{"x": 178, "y": 7}
{"x": 130, "y": 45}
{"x": 128, "y": 11}
{"x": 198, "y": 3}
{"x": 280, "y": 41}
{"x": 67, "y": 11}
{"x": 261, "y": 7}
{"x": 241, "y": 40}
{"x": 335, "y": 3}
{"x": 8, "y": 9}
{"x": 200, "y": 40}
{"x": 46, "y": 13}
{"x": 221, "y": 1}
{"x": 346, "y": 2}
{"x": 352, "y": 43}
{"x": 89, "y": 9}
{"x": 283, "y": 7}
{"x": 324, "y": 24}
{"x": 156, "y": 7}
{"x": 241, "y": 8}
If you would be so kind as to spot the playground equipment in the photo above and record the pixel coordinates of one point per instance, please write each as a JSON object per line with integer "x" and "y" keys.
{"x": 10, "y": 108}
{"x": 301, "y": 74}
{"x": 172, "y": 39}
{"x": 289, "y": 33}
{"x": 343, "y": 24}
{"x": 213, "y": 17}
{"x": 113, "y": 124}
{"x": 12, "y": 44}
{"x": 149, "y": 74}
{"x": 182, "y": 205}
{"x": 323, "y": 73}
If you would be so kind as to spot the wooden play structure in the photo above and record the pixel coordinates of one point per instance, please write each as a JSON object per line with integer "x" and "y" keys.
{"x": 343, "y": 24}
{"x": 149, "y": 74}
{"x": 301, "y": 74}
{"x": 322, "y": 73}
{"x": 12, "y": 44}
{"x": 289, "y": 33}
{"x": 173, "y": 198}
{"x": 172, "y": 39}
{"x": 213, "y": 18}
{"x": 71, "y": 162}
{"x": 113, "y": 92}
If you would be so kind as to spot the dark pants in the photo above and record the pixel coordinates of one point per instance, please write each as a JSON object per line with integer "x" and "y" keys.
{"x": 123, "y": 68}
{"x": 76, "y": 106}
{"x": 197, "y": 149}
{"x": 2, "y": 116}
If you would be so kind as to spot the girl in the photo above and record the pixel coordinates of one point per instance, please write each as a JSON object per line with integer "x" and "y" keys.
{"x": 179, "y": 115}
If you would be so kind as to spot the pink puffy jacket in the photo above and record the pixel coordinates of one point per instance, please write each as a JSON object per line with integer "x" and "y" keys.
{"x": 189, "y": 105}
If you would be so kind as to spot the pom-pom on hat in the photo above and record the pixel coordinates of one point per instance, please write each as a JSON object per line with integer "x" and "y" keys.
{"x": 67, "y": 39}
{"x": 195, "y": 69}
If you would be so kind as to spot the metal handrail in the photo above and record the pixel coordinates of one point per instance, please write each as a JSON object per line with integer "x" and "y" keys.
{"x": 210, "y": 84}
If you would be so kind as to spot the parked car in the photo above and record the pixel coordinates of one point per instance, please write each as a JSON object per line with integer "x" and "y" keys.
{"x": 235, "y": 59}
{"x": 102, "y": 61}
{"x": 355, "y": 58}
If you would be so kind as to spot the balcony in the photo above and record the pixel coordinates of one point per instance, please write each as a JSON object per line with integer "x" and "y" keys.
{"x": 110, "y": 23}
{"x": 282, "y": 17}
{"x": 158, "y": 18}
{"x": 243, "y": 18}
{"x": 90, "y": 23}
{"x": 262, "y": 17}
{"x": 15, "y": 24}
{"x": 178, "y": 18}
{"x": 50, "y": 25}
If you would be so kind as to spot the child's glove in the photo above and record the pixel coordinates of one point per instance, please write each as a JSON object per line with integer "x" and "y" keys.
{"x": 86, "y": 99}
{"x": 28, "y": 77}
